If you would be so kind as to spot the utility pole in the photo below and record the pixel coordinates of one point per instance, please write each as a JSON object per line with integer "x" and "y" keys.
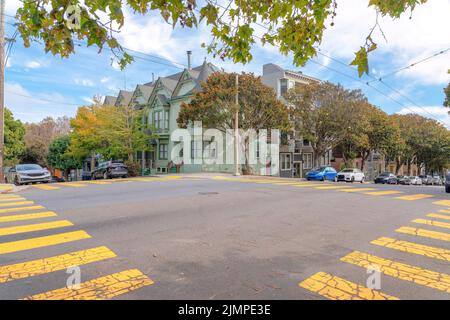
{"x": 2, "y": 86}
{"x": 236, "y": 131}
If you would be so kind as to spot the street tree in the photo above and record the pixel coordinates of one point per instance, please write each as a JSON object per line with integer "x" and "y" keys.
{"x": 325, "y": 114}
{"x": 214, "y": 105}
{"x": 14, "y": 139}
{"x": 296, "y": 27}
{"x": 59, "y": 157}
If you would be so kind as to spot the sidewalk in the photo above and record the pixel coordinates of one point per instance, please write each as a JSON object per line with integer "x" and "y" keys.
{"x": 10, "y": 188}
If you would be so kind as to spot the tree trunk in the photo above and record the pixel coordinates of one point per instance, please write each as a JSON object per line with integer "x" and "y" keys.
{"x": 92, "y": 161}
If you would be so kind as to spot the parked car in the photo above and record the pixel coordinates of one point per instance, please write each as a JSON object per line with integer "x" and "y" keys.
{"x": 447, "y": 182}
{"x": 427, "y": 180}
{"x": 436, "y": 180}
{"x": 351, "y": 175}
{"x": 403, "y": 180}
{"x": 27, "y": 173}
{"x": 322, "y": 173}
{"x": 57, "y": 179}
{"x": 415, "y": 180}
{"x": 386, "y": 178}
{"x": 109, "y": 170}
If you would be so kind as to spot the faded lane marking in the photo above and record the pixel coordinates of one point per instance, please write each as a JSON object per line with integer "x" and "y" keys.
{"x": 21, "y": 209}
{"x": 424, "y": 233}
{"x": 41, "y": 266}
{"x": 71, "y": 184}
{"x": 444, "y": 211}
{"x": 410, "y": 247}
{"x": 439, "y": 216}
{"x": 445, "y": 203}
{"x": 33, "y": 243}
{"x": 35, "y": 227}
{"x": 8, "y": 204}
{"x": 28, "y": 216}
{"x": 428, "y": 278}
{"x": 331, "y": 187}
{"x": 433, "y": 223}
{"x": 383, "y": 193}
{"x": 11, "y": 199}
{"x": 336, "y": 288}
{"x": 97, "y": 182}
{"x": 44, "y": 187}
{"x": 413, "y": 197}
{"x": 101, "y": 288}
{"x": 357, "y": 190}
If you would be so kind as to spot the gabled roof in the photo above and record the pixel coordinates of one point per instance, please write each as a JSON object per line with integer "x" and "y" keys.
{"x": 124, "y": 98}
{"x": 109, "y": 101}
{"x": 206, "y": 70}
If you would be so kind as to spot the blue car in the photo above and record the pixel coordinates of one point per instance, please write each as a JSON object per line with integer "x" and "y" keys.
{"x": 322, "y": 174}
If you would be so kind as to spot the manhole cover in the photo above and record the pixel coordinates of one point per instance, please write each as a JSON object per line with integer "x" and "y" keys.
{"x": 207, "y": 193}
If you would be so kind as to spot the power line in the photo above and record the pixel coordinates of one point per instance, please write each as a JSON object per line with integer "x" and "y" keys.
{"x": 41, "y": 99}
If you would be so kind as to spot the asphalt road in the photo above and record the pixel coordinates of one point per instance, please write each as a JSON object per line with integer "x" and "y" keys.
{"x": 220, "y": 237}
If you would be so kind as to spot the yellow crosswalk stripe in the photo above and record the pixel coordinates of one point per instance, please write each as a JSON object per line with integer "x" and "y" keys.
{"x": 9, "y": 195}
{"x": 98, "y": 182}
{"x": 284, "y": 183}
{"x": 357, "y": 190}
{"x": 44, "y": 187}
{"x": 439, "y": 216}
{"x": 331, "y": 187}
{"x": 33, "y": 243}
{"x": 431, "y": 279}
{"x": 410, "y": 247}
{"x": 432, "y": 223}
{"x": 383, "y": 193}
{"x": 444, "y": 211}
{"x": 413, "y": 197}
{"x": 99, "y": 289}
{"x": 21, "y": 209}
{"x": 443, "y": 203}
{"x": 307, "y": 185}
{"x": 28, "y": 216}
{"x": 8, "y": 204}
{"x": 52, "y": 264}
{"x": 35, "y": 227}
{"x": 70, "y": 184}
{"x": 424, "y": 233}
{"x": 336, "y": 288}
{"x": 11, "y": 199}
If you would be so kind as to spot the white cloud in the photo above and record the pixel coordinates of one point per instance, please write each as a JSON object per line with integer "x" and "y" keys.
{"x": 11, "y": 6}
{"x": 105, "y": 79}
{"x": 434, "y": 112}
{"x": 33, "y": 64}
{"x": 84, "y": 82}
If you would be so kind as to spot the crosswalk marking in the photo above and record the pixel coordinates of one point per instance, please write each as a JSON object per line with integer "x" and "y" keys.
{"x": 11, "y": 199}
{"x": 424, "y": 233}
{"x": 336, "y": 288}
{"x": 413, "y": 197}
{"x": 432, "y": 223}
{"x": 383, "y": 193}
{"x": 45, "y": 187}
{"x": 432, "y": 279}
{"x": 19, "y": 203}
{"x": 439, "y": 216}
{"x": 357, "y": 189}
{"x": 21, "y": 209}
{"x": 410, "y": 247}
{"x": 284, "y": 183}
{"x": 33, "y": 243}
{"x": 27, "y": 216}
{"x": 443, "y": 203}
{"x": 306, "y": 185}
{"x": 98, "y": 289}
{"x": 9, "y": 195}
{"x": 55, "y": 263}
{"x": 97, "y": 182}
{"x": 35, "y": 227}
{"x": 71, "y": 184}
{"x": 444, "y": 211}
{"x": 331, "y": 187}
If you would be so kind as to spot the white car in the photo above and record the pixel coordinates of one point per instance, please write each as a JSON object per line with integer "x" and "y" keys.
{"x": 415, "y": 180}
{"x": 351, "y": 175}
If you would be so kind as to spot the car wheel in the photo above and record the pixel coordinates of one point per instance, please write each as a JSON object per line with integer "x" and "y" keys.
{"x": 92, "y": 176}
{"x": 362, "y": 180}
{"x": 335, "y": 179}
{"x": 16, "y": 181}
{"x": 353, "y": 179}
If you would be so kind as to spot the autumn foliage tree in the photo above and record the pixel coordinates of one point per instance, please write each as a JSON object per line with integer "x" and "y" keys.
{"x": 214, "y": 105}
{"x": 294, "y": 26}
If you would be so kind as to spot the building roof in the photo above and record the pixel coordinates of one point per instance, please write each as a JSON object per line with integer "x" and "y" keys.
{"x": 109, "y": 101}
{"x": 124, "y": 98}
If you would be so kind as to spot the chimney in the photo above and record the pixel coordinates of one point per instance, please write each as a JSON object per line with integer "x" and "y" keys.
{"x": 189, "y": 59}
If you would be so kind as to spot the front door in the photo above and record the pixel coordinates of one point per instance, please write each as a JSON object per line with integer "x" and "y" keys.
{"x": 297, "y": 170}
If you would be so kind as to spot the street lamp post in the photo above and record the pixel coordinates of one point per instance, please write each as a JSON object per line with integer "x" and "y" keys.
{"x": 236, "y": 131}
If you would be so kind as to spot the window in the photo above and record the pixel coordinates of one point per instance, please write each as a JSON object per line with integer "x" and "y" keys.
{"x": 306, "y": 143}
{"x": 307, "y": 161}
{"x": 196, "y": 149}
{"x": 163, "y": 151}
{"x": 285, "y": 161}
{"x": 209, "y": 149}
{"x": 283, "y": 86}
{"x": 166, "y": 119}
{"x": 158, "y": 120}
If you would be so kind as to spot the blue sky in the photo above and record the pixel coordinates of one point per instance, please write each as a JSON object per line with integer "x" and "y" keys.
{"x": 40, "y": 85}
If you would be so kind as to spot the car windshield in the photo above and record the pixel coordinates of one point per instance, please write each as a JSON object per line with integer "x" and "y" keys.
{"x": 347, "y": 170}
{"x": 26, "y": 167}
{"x": 319, "y": 169}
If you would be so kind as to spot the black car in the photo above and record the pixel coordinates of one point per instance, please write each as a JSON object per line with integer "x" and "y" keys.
{"x": 109, "y": 170}
{"x": 386, "y": 178}
{"x": 447, "y": 182}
